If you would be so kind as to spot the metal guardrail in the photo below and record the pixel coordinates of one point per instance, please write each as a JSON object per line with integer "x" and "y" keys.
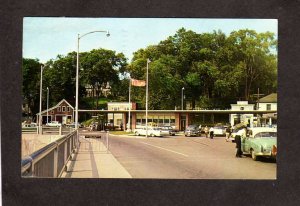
{"x": 48, "y": 130}
{"x": 51, "y": 160}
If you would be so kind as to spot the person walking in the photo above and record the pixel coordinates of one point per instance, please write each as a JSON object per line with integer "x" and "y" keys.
{"x": 228, "y": 133}
{"x": 206, "y": 131}
{"x": 211, "y": 133}
{"x": 240, "y": 134}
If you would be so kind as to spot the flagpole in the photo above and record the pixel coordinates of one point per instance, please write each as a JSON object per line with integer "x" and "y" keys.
{"x": 148, "y": 61}
{"x": 129, "y": 124}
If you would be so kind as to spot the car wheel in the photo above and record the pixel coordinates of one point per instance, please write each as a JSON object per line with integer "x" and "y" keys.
{"x": 254, "y": 157}
{"x": 152, "y": 135}
{"x": 137, "y": 134}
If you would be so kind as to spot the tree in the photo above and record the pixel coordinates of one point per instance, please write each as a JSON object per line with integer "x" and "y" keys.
{"x": 31, "y": 70}
{"x": 252, "y": 52}
{"x": 102, "y": 67}
{"x": 60, "y": 77}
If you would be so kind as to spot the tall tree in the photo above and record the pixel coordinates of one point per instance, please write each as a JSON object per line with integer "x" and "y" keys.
{"x": 102, "y": 67}
{"x": 31, "y": 83}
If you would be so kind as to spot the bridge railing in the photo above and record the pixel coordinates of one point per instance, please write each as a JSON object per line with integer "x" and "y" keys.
{"x": 47, "y": 130}
{"x": 51, "y": 160}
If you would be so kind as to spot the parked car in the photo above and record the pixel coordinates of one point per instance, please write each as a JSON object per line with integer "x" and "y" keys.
{"x": 169, "y": 129}
{"x": 29, "y": 125}
{"x": 260, "y": 142}
{"x": 54, "y": 124}
{"x": 192, "y": 130}
{"x": 219, "y": 130}
{"x": 152, "y": 131}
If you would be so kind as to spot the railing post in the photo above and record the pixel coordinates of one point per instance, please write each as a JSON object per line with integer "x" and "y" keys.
{"x": 65, "y": 151}
{"x": 107, "y": 145}
{"x": 55, "y": 159}
{"x": 60, "y": 130}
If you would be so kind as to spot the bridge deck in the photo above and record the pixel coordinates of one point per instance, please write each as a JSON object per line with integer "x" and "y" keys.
{"x": 93, "y": 160}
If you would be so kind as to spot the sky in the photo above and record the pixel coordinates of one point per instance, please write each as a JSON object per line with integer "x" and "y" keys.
{"x": 44, "y": 38}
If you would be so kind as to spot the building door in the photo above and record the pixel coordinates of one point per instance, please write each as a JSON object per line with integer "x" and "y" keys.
{"x": 182, "y": 122}
{"x": 64, "y": 120}
{"x": 58, "y": 118}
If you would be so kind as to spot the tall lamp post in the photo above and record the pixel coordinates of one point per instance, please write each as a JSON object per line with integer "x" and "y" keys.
{"x": 182, "y": 98}
{"x": 147, "y": 84}
{"x": 47, "y": 102}
{"x": 77, "y": 72}
{"x": 41, "y": 88}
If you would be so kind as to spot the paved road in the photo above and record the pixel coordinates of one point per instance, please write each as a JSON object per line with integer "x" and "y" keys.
{"x": 186, "y": 158}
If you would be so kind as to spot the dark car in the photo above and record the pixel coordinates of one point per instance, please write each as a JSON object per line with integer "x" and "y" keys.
{"x": 192, "y": 130}
{"x": 170, "y": 129}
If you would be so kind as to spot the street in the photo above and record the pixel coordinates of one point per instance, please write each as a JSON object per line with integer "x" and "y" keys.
{"x": 182, "y": 157}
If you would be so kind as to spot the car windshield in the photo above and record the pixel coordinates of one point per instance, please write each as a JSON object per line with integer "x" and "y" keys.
{"x": 218, "y": 127}
{"x": 265, "y": 134}
{"x": 192, "y": 127}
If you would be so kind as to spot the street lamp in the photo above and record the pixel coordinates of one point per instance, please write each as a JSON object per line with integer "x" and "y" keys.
{"x": 41, "y": 87}
{"x": 47, "y": 102}
{"x": 77, "y": 72}
{"x": 148, "y": 62}
{"x": 182, "y": 98}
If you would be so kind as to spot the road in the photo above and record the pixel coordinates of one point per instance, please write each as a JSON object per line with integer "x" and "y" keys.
{"x": 182, "y": 157}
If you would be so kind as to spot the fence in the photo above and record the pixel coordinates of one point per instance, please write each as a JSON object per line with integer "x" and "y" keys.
{"x": 51, "y": 160}
{"x": 48, "y": 130}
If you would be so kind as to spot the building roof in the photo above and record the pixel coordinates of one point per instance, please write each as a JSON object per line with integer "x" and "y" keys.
{"x": 57, "y": 105}
{"x": 271, "y": 98}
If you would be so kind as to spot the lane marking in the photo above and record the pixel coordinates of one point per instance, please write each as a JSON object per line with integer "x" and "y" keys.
{"x": 165, "y": 149}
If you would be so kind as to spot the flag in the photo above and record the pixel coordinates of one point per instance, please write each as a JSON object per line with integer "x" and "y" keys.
{"x": 138, "y": 83}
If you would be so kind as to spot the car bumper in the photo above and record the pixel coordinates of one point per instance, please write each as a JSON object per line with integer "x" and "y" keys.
{"x": 266, "y": 154}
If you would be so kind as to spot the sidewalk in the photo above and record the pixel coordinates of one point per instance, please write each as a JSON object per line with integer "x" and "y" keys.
{"x": 94, "y": 161}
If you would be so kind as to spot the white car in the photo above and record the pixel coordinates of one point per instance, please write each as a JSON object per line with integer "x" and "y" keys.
{"x": 219, "y": 130}
{"x": 54, "y": 124}
{"x": 152, "y": 131}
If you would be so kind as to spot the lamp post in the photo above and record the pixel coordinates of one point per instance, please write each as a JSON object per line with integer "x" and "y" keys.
{"x": 148, "y": 61}
{"x": 77, "y": 72}
{"x": 41, "y": 88}
{"x": 182, "y": 98}
{"x": 47, "y": 102}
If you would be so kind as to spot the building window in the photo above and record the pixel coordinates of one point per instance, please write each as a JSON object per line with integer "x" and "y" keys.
{"x": 51, "y": 112}
{"x": 63, "y": 109}
{"x": 58, "y": 109}
{"x": 268, "y": 106}
{"x": 68, "y": 109}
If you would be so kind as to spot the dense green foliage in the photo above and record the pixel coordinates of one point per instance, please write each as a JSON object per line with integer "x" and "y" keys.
{"x": 214, "y": 69}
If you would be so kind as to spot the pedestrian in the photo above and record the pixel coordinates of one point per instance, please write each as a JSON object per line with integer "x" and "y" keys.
{"x": 206, "y": 131}
{"x": 240, "y": 134}
{"x": 211, "y": 133}
{"x": 228, "y": 133}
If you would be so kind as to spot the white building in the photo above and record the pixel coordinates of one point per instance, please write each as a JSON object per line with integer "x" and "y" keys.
{"x": 117, "y": 118}
{"x": 238, "y": 118}
{"x": 268, "y": 103}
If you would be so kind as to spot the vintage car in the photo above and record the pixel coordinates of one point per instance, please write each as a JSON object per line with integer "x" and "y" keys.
{"x": 192, "y": 130}
{"x": 54, "y": 124}
{"x": 169, "y": 129}
{"x": 152, "y": 131}
{"x": 219, "y": 130}
{"x": 260, "y": 142}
